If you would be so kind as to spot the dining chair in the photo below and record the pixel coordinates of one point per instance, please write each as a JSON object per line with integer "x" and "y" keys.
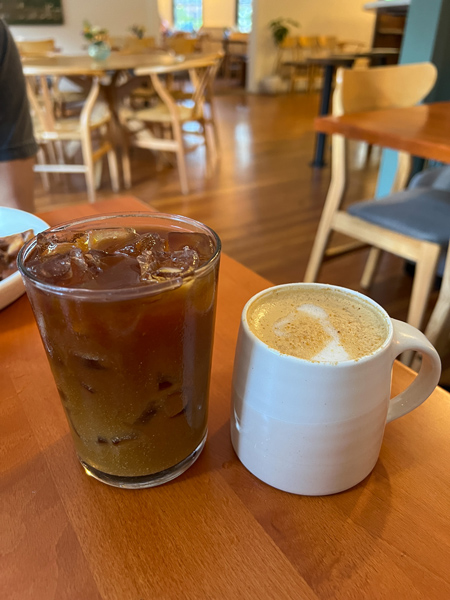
{"x": 91, "y": 129}
{"x": 36, "y": 48}
{"x": 327, "y": 42}
{"x": 437, "y": 180}
{"x": 134, "y": 45}
{"x": 181, "y": 44}
{"x": 300, "y": 69}
{"x": 210, "y": 41}
{"x": 162, "y": 127}
{"x": 287, "y": 53}
{"x": 235, "y": 58}
{"x": 406, "y": 222}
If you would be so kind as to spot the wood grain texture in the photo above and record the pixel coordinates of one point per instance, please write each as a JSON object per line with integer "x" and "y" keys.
{"x": 420, "y": 130}
{"x": 215, "y": 532}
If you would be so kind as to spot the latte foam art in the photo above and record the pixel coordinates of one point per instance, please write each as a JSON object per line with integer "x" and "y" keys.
{"x": 333, "y": 351}
{"x": 317, "y": 324}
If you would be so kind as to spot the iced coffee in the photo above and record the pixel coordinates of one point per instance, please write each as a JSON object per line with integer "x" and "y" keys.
{"x": 125, "y": 307}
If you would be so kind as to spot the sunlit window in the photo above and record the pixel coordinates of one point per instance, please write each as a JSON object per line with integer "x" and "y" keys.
{"x": 187, "y": 15}
{"x": 244, "y": 15}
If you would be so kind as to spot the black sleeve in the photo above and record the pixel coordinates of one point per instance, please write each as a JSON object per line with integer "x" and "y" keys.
{"x": 16, "y": 128}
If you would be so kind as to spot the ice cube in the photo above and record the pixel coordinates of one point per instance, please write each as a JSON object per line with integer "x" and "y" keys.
{"x": 177, "y": 264}
{"x": 201, "y": 243}
{"x": 55, "y": 268}
{"x": 147, "y": 414}
{"x": 60, "y": 242}
{"x": 149, "y": 262}
{"x": 174, "y": 404}
{"x": 140, "y": 244}
{"x": 110, "y": 240}
{"x": 90, "y": 361}
{"x": 149, "y": 241}
{"x": 123, "y": 438}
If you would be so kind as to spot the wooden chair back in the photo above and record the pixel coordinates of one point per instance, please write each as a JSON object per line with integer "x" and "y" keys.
{"x": 308, "y": 41}
{"x": 36, "y": 48}
{"x": 134, "y": 45}
{"x": 382, "y": 87}
{"x": 181, "y": 45}
{"x": 359, "y": 90}
{"x": 287, "y": 51}
{"x": 42, "y": 98}
{"x": 202, "y": 71}
{"x": 327, "y": 42}
{"x": 209, "y": 44}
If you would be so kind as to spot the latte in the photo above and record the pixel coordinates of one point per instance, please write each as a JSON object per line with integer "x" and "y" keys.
{"x": 318, "y": 324}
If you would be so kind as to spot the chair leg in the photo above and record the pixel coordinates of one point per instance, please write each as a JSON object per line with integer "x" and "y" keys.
{"x": 210, "y": 151}
{"x": 332, "y": 203}
{"x": 40, "y": 158}
{"x": 98, "y": 172}
{"x": 370, "y": 268}
{"x": 125, "y": 158}
{"x": 212, "y": 121}
{"x": 113, "y": 170}
{"x": 425, "y": 274}
{"x": 89, "y": 163}
{"x": 60, "y": 152}
{"x": 181, "y": 158}
{"x": 437, "y": 330}
{"x": 126, "y": 167}
{"x": 52, "y": 157}
{"x": 211, "y": 140}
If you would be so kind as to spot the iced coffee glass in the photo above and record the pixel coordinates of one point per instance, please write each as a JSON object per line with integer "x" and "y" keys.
{"x": 125, "y": 306}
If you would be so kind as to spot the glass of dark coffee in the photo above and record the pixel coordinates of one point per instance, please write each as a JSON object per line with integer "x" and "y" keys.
{"x": 125, "y": 306}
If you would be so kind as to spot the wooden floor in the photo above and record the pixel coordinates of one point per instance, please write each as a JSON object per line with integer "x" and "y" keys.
{"x": 265, "y": 200}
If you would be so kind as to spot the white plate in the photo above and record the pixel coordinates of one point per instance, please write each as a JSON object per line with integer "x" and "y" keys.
{"x": 16, "y": 221}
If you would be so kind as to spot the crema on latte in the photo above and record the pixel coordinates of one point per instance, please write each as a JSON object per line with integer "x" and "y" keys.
{"x": 318, "y": 324}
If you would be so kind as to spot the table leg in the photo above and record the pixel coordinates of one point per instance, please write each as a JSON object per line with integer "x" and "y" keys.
{"x": 318, "y": 160}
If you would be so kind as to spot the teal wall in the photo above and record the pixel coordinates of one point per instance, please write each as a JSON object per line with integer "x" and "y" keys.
{"x": 426, "y": 38}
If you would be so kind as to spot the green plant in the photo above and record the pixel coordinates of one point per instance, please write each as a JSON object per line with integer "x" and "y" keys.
{"x": 280, "y": 29}
{"x": 94, "y": 34}
{"x": 138, "y": 31}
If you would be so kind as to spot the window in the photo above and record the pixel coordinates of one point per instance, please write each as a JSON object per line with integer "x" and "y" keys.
{"x": 244, "y": 15}
{"x": 187, "y": 15}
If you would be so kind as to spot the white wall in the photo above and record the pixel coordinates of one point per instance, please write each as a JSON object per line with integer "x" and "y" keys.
{"x": 216, "y": 13}
{"x": 345, "y": 19}
{"x": 116, "y": 15}
{"x": 219, "y": 13}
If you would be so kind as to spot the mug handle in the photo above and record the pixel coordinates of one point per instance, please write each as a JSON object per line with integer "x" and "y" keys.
{"x": 406, "y": 337}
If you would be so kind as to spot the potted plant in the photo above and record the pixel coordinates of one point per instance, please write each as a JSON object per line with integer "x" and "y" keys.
{"x": 138, "y": 31}
{"x": 280, "y": 29}
{"x": 99, "y": 48}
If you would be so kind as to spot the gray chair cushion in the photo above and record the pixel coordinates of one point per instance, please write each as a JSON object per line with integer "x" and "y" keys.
{"x": 437, "y": 178}
{"x": 422, "y": 213}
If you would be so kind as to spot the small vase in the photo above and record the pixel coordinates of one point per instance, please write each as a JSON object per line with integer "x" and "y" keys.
{"x": 99, "y": 51}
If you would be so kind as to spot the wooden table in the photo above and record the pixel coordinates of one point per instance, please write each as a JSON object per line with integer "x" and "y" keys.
{"x": 216, "y": 532}
{"x": 73, "y": 67}
{"x": 330, "y": 62}
{"x": 62, "y": 64}
{"x": 422, "y": 130}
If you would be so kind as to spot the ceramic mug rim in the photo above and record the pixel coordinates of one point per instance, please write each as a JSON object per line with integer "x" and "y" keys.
{"x": 318, "y": 364}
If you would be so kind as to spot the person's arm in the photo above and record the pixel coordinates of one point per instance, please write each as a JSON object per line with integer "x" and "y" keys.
{"x": 17, "y": 144}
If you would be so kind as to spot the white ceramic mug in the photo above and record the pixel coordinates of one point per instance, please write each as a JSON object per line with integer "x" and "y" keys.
{"x": 316, "y": 428}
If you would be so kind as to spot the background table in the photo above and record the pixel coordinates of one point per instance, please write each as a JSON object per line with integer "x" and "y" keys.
{"x": 422, "y": 130}
{"x": 215, "y": 532}
{"x": 330, "y": 62}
